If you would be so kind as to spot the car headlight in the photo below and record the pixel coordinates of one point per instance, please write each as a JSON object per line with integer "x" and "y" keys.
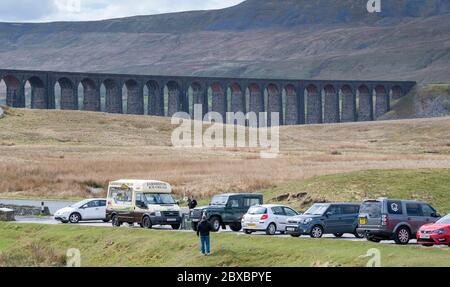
{"x": 158, "y": 213}
{"x": 307, "y": 220}
{"x": 440, "y": 231}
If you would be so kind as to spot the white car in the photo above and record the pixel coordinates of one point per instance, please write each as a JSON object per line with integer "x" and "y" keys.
{"x": 269, "y": 218}
{"x": 88, "y": 209}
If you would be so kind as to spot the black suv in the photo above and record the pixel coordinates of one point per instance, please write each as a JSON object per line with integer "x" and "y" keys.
{"x": 226, "y": 209}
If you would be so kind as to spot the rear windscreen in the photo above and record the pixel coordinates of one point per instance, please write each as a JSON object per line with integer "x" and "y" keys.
{"x": 371, "y": 208}
{"x": 257, "y": 210}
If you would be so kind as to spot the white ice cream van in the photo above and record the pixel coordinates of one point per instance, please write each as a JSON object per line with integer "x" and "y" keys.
{"x": 146, "y": 202}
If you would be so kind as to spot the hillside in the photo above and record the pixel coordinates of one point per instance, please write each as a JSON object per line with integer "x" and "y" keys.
{"x": 409, "y": 40}
{"x": 60, "y": 154}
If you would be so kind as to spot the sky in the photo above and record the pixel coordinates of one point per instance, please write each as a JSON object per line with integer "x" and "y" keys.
{"x": 85, "y": 10}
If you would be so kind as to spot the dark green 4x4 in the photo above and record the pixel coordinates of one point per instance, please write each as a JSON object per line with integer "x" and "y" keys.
{"x": 226, "y": 209}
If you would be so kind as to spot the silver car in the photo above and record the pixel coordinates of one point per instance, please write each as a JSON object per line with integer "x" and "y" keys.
{"x": 269, "y": 218}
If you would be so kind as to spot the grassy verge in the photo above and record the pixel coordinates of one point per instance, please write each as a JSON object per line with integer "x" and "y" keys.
{"x": 37, "y": 245}
{"x": 431, "y": 185}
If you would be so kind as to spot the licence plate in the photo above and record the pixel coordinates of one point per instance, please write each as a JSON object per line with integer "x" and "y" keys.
{"x": 425, "y": 236}
{"x": 252, "y": 225}
{"x": 171, "y": 219}
{"x": 291, "y": 229}
{"x": 362, "y": 221}
{"x": 195, "y": 220}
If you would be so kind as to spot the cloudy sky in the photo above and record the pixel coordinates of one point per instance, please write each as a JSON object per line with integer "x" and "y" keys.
{"x": 79, "y": 10}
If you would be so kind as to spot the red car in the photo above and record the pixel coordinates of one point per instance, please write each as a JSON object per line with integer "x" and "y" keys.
{"x": 435, "y": 233}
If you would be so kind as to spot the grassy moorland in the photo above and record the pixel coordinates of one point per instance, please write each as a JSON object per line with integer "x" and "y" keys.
{"x": 36, "y": 245}
{"x": 60, "y": 154}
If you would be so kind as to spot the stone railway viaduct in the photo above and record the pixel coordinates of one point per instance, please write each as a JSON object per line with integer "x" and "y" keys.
{"x": 298, "y": 101}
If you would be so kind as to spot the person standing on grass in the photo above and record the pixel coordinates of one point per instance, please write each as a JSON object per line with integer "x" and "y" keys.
{"x": 204, "y": 230}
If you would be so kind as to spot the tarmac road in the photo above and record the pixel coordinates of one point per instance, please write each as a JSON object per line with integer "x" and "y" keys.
{"x": 51, "y": 221}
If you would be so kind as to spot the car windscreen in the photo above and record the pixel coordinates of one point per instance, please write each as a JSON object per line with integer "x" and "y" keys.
{"x": 371, "y": 208}
{"x": 254, "y": 210}
{"x": 159, "y": 198}
{"x": 444, "y": 220}
{"x": 219, "y": 200}
{"x": 317, "y": 209}
{"x": 81, "y": 203}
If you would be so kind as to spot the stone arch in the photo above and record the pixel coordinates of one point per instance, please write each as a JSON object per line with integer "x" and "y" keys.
{"x": 255, "y": 102}
{"x": 274, "y": 103}
{"x": 381, "y": 101}
{"x": 313, "y": 105}
{"x": 14, "y": 91}
{"x": 67, "y": 94}
{"x": 348, "y": 111}
{"x": 331, "y": 104}
{"x": 365, "y": 104}
{"x": 237, "y": 99}
{"x": 91, "y": 95}
{"x": 219, "y": 101}
{"x": 113, "y": 96}
{"x": 155, "y": 98}
{"x": 36, "y": 94}
{"x": 396, "y": 93}
{"x": 172, "y": 102}
{"x": 3, "y": 92}
{"x": 291, "y": 114}
{"x": 196, "y": 96}
{"x": 135, "y": 97}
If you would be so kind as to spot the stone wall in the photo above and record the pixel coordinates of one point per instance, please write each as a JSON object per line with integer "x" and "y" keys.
{"x": 6, "y": 214}
{"x": 20, "y": 210}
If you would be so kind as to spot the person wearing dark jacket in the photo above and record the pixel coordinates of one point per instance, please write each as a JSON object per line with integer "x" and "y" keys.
{"x": 192, "y": 203}
{"x": 203, "y": 230}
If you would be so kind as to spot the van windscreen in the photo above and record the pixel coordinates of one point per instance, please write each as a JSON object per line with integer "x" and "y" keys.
{"x": 159, "y": 198}
{"x": 371, "y": 208}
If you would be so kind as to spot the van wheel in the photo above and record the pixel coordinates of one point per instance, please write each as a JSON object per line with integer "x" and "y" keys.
{"x": 271, "y": 229}
{"x": 246, "y": 231}
{"x": 236, "y": 227}
{"x": 115, "y": 221}
{"x": 146, "y": 222}
{"x": 176, "y": 226}
{"x": 338, "y": 235}
{"x": 215, "y": 223}
{"x": 402, "y": 235}
{"x": 75, "y": 217}
{"x": 316, "y": 232}
{"x": 105, "y": 220}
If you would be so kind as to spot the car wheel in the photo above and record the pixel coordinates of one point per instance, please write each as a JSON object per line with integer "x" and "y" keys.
{"x": 359, "y": 234}
{"x": 246, "y": 231}
{"x": 105, "y": 220}
{"x": 402, "y": 235}
{"x": 215, "y": 223}
{"x": 316, "y": 231}
{"x": 146, "y": 222}
{"x": 295, "y": 235}
{"x": 236, "y": 227}
{"x": 115, "y": 221}
{"x": 176, "y": 226}
{"x": 271, "y": 229}
{"x": 64, "y": 221}
{"x": 427, "y": 245}
{"x": 194, "y": 226}
{"x": 338, "y": 235}
{"x": 74, "y": 217}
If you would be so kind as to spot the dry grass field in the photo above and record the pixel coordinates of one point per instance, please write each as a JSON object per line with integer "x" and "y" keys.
{"x": 61, "y": 154}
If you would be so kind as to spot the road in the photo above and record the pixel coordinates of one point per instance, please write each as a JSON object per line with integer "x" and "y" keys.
{"x": 100, "y": 224}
